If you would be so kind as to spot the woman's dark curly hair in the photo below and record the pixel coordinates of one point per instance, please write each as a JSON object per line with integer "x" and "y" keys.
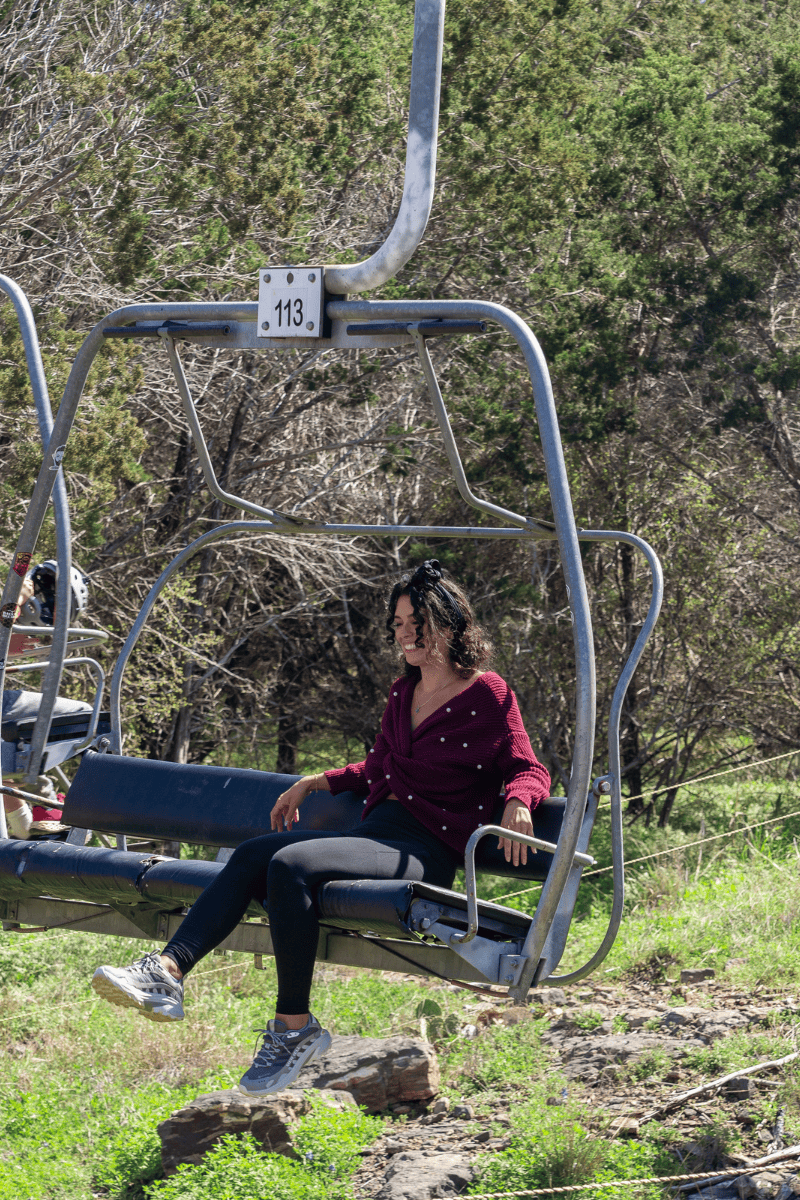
{"x": 447, "y": 609}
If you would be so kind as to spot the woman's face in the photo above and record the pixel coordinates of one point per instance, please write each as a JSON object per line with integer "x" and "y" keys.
{"x": 417, "y": 649}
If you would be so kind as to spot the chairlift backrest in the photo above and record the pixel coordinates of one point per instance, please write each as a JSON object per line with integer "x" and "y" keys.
{"x": 224, "y": 806}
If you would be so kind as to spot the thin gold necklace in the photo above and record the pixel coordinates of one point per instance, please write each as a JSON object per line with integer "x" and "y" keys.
{"x": 424, "y": 703}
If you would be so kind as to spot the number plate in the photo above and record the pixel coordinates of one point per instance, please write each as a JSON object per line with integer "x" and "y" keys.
{"x": 290, "y": 302}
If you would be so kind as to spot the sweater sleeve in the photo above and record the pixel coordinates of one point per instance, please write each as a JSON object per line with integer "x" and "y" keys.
{"x": 524, "y": 777}
{"x": 353, "y": 777}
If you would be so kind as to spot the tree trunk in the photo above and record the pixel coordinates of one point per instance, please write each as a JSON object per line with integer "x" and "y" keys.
{"x": 666, "y": 808}
{"x": 288, "y": 736}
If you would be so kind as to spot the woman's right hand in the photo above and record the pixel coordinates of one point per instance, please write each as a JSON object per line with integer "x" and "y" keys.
{"x": 284, "y": 814}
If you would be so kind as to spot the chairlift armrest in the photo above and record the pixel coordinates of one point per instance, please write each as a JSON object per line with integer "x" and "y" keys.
{"x": 524, "y": 839}
{"x": 47, "y": 631}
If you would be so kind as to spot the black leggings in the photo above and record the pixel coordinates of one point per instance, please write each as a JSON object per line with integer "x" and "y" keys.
{"x": 283, "y": 870}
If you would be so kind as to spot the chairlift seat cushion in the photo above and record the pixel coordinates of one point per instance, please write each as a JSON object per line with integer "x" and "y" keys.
{"x": 62, "y": 728}
{"x": 225, "y": 806}
{"x": 388, "y": 908}
{"x": 393, "y": 907}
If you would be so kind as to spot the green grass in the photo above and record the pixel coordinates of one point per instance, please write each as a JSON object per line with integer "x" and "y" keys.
{"x": 84, "y": 1084}
{"x": 552, "y": 1147}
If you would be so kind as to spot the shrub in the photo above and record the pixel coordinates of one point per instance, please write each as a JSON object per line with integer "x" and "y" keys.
{"x": 328, "y": 1139}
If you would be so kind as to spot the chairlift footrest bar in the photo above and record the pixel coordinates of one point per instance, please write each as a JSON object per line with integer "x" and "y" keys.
{"x": 174, "y": 328}
{"x": 426, "y": 328}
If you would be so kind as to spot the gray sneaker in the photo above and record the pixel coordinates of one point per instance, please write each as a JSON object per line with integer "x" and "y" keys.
{"x": 283, "y": 1054}
{"x": 144, "y": 985}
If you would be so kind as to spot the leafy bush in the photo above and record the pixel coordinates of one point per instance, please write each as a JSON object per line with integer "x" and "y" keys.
{"x": 329, "y": 1140}
{"x": 237, "y": 1169}
{"x": 556, "y": 1154}
{"x": 556, "y": 1151}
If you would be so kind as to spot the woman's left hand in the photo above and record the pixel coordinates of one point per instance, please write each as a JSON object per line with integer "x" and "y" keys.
{"x": 517, "y": 818}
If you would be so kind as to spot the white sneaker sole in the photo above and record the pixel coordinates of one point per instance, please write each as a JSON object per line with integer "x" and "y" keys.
{"x": 287, "y": 1078}
{"x": 109, "y": 986}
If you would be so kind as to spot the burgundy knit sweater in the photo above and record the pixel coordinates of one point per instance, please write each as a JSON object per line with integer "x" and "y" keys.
{"x": 450, "y": 770}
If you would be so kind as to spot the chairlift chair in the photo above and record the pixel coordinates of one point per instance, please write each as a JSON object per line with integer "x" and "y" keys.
{"x": 38, "y": 737}
{"x": 367, "y": 922}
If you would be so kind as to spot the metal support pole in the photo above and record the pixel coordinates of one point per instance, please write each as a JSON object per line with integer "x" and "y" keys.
{"x": 420, "y": 176}
{"x": 614, "y": 777}
{"x": 22, "y": 559}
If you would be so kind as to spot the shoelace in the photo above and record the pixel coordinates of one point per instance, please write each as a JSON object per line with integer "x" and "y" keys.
{"x": 148, "y": 962}
{"x": 269, "y": 1047}
{"x": 151, "y": 962}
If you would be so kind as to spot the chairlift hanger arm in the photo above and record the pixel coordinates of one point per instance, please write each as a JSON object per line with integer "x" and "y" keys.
{"x": 423, "y": 310}
{"x": 420, "y": 172}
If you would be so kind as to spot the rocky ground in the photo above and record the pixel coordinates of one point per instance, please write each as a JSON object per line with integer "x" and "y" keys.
{"x": 623, "y": 1051}
{"x": 596, "y": 1036}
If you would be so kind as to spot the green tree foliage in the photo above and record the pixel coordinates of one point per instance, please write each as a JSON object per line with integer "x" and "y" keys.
{"x": 621, "y": 174}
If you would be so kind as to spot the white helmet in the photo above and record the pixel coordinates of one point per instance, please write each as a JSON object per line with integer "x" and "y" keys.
{"x": 40, "y": 609}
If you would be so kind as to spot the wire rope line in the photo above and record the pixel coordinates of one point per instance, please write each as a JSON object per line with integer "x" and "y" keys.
{"x": 791, "y": 1152}
{"x": 762, "y": 762}
{"x": 94, "y": 999}
{"x": 714, "y": 837}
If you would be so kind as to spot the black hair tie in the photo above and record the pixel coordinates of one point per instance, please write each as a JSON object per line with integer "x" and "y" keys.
{"x": 426, "y": 579}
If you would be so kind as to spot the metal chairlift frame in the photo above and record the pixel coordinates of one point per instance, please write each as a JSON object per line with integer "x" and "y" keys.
{"x": 64, "y": 638}
{"x": 367, "y": 324}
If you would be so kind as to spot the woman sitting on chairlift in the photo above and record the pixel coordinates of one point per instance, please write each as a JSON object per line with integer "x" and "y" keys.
{"x": 451, "y": 737}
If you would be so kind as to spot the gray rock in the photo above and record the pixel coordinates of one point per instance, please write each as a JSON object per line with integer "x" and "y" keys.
{"x": 697, "y": 975}
{"x": 190, "y": 1132}
{"x": 676, "y": 1017}
{"x": 378, "y": 1072}
{"x": 763, "y": 1185}
{"x": 549, "y": 997}
{"x": 585, "y": 1056}
{"x": 740, "y": 1088}
{"x": 718, "y": 1191}
{"x": 423, "y": 1174}
{"x": 635, "y": 1018}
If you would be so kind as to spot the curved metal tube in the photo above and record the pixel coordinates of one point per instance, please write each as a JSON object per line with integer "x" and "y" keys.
{"x": 213, "y": 535}
{"x": 25, "y": 547}
{"x": 525, "y": 839}
{"x": 206, "y": 465}
{"x": 451, "y": 449}
{"x": 99, "y": 675}
{"x": 420, "y": 176}
{"x": 615, "y": 768}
